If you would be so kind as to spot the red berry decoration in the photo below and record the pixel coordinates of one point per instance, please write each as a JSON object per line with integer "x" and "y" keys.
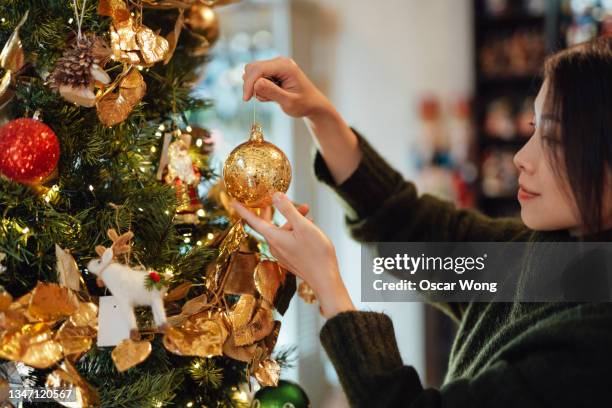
{"x": 29, "y": 150}
{"x": 154, "y": 276}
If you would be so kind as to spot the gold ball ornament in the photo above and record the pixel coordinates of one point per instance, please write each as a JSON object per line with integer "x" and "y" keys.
{"x": 255, "y": 170}
{"x": 203, "y": 21}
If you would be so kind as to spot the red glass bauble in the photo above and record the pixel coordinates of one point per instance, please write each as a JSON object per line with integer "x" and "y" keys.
{"x": 29, "y": 150}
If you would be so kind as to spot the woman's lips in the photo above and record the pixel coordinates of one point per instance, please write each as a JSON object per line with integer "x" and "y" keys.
{"x": 524, "y": 194}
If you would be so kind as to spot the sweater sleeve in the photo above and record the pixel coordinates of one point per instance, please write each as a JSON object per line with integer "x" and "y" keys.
{"x": 364, "y": 352}
{"x": 381, "y": 206}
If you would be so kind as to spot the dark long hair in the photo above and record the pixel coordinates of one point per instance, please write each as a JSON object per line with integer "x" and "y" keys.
{"x": 580, "y": 97}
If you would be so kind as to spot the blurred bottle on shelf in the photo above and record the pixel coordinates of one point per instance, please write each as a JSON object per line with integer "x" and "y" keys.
{"x": 504, "y": 8}
{"x": 499, "y": 175}
{"x": 583, "y": 20}
{"x": 525, "y": 118}
{"x": 499, "y": 119}
{"x": 517, "y": 54}
{"x": 444, "y": 149}
{"x": 509, "y": 117}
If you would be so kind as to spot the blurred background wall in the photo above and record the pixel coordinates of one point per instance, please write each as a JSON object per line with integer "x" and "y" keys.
{"x": 374, "y": 61}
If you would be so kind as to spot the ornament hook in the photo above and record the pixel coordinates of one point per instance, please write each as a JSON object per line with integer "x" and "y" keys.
{"x": 256, "y": 133}
{"x": 79, "y": 17}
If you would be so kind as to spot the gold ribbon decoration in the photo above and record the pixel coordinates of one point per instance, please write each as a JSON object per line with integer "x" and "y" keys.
{"x": 12, "y": 59}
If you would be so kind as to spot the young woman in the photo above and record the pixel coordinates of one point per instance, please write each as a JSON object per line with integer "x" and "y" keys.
{"x": 505, "y": 354}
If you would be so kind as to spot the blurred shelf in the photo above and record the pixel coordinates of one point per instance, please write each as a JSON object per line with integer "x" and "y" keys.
{"x": 512, "y": 88}
{"x": 514, "y": 143}
{"x": 509, "y": 21}
{"x": 519, "y": 80}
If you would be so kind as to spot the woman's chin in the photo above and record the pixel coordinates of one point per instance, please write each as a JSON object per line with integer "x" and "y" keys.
{"x": 534, "y": 221}
{"x": 538, "y": 221}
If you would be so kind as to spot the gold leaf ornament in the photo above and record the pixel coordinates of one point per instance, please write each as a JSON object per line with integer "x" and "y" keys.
{"x": 257, "y": 329}
{"x": 230, "y": 244}
{"x": 31, "y": 343}
{"x": 12, "y": 319}
{"x": 129, "y": 353}
{"x": 75, "y": 340}
{"x": 240, "y": 353}
{"x": 174, "y": 35}
{"x": 68, "y": 271}
{"x": 153, "y": 47}
{"x": 67, "y": 377}
{"x": 179, "y": 292}
{"x": 116, "y": 9}
{"x": 242, "y": 312}
{"x": 123, "y": 42}
{"x": 201, "y": 335}
{"x": 115, "y": 107}
{"x": 268, "y": 278}
{"x": 240, "y": 270}
{"x": 12, "y": 59}
{"x": 85, "y": 315}
{"x": 306, "y": 293}
{"x": 5, "y": 300}
{"x": 50, "y": 302}
{"x": 267, "y": 373}
{"x": 136, "y": 44}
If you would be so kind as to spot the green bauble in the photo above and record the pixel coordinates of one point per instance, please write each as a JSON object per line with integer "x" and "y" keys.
{"x": 287, "y": 395}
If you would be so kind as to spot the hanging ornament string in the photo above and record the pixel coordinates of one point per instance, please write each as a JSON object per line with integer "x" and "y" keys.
{"x": 79, "y": 18}
{"x": 138, "y": 4}
{"x": 255, "y": 107}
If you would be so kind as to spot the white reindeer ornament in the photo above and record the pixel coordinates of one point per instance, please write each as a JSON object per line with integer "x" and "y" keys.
{"x": 128, "y": 285}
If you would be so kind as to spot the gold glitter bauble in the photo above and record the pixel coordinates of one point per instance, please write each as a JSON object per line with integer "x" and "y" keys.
{"x": 255, "y": 170}
{"x": 203, "y": 20}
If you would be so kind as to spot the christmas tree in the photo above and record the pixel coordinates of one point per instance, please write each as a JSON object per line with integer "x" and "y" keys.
{"x": 101, "y": 173}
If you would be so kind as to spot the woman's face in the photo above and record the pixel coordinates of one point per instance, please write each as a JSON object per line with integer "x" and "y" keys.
{"x": 546, "y": 201}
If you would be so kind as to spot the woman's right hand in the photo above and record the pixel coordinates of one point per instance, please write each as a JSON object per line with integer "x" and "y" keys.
{"x": 302, "y": 248}
{"x": 281, "y": 80}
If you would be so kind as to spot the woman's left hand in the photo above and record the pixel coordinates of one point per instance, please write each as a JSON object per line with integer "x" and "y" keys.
{"x": 302, "y": 248}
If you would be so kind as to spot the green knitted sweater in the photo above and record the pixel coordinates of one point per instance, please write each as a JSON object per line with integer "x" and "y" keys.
{"x": 504, "y": 354}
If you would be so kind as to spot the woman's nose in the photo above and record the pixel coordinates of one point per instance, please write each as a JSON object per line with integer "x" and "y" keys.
{"x": 523, "y": 159}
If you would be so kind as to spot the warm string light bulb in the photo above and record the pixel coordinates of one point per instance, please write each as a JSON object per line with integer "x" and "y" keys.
{"x": 50, "y": 194}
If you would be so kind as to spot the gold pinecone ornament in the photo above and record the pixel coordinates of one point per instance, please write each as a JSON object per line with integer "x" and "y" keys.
{"x": 255, "y": 170}
{"x": 79, "y": 69}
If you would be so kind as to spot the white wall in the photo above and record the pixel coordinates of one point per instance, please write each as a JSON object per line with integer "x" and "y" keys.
{"x": 374, "y": 60}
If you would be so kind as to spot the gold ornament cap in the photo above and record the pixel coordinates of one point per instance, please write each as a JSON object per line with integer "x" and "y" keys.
{"x": 256, "y": 133}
